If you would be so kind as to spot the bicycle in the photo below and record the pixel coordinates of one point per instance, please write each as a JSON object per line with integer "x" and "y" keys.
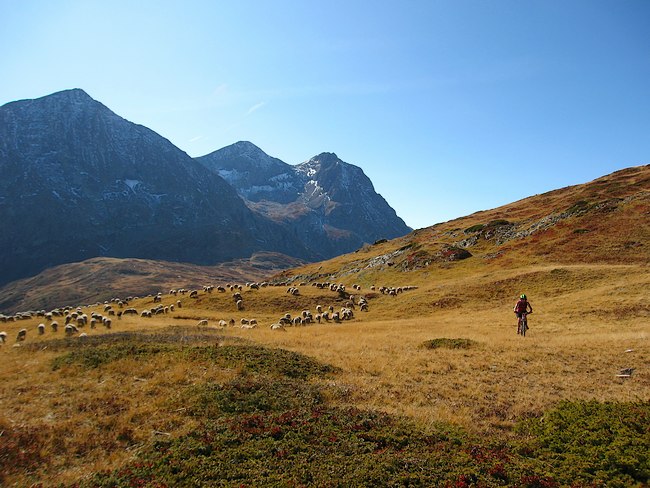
{"x": 522, "y": 324}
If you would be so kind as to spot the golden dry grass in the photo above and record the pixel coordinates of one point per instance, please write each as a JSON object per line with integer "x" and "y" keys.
{"x": 581, "y": 329}
{"x": 591, "y": 319}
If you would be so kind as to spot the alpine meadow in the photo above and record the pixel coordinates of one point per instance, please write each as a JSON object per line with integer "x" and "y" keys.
{"x": 396, "y": 364}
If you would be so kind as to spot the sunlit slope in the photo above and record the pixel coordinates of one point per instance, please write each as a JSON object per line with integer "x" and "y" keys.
{"x": 606, "y": 221}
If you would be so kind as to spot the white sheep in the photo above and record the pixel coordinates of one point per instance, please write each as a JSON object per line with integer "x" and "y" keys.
{"x": 202, "y": 323}
{"x": 22, "y": 334}
{"x": 70, "y": 329}
{"x": 240, "y": 304}
{"x": 223, "y": 324}
{"x": 54, "y": 325}
{"x": 278, "y": 327}
{"x": 3, "y": 337}
{"x": 41, "y": 329}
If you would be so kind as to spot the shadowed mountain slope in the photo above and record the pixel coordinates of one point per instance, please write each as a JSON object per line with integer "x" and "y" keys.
{"x": 79, "y": 182}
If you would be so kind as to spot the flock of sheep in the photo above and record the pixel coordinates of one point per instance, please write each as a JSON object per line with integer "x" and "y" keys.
{"x": 74, "y": 320}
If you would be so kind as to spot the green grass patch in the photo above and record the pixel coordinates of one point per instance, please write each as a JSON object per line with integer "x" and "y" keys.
{"x": 259, "y": 359}
{"x": 321, "y": 446}
{"x": 498, "y": 223}
{"x": 449, "y": 343}
{"x": 579, "y": 207}
{"x": 249, "y": 394}
{"x": 474, "y": 228}
{"x": 593, "y": 444}
{"x": 94, "y": 357}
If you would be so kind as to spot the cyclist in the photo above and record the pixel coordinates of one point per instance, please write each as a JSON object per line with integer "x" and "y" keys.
{"x": 522, "y": 307}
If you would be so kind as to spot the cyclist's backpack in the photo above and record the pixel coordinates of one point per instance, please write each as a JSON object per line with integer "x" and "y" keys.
{"x": 521, "y": 306}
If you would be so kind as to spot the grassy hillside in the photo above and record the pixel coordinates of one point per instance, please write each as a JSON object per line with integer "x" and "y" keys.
{"x": 101, "y": 279}
{"x": 430, "y": 387}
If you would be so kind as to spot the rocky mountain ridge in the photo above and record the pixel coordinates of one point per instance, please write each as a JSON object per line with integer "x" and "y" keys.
{"x": 79, "y": 182}
{"x": 322, "y": 200}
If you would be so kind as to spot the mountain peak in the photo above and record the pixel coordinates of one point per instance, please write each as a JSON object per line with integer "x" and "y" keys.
{"x": 326, "y": 158}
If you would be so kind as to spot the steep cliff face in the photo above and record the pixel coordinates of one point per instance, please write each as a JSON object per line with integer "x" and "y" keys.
{"x": 331, "y": 206}
{"x": 78, "y": 181}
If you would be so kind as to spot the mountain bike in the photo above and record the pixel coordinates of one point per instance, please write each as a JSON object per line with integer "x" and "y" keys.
{"x": 522, "y": 324}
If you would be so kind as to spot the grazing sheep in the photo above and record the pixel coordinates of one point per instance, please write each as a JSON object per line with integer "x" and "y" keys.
{"x": 179, "y": 304}
{"x": 248, "y": 326}
{"x": 297, "y": 321}
{"x": 202, "y": 322}
{"x": 22, "y": 334}
{"x": 41, "y": 329}
{"x": 194, "y": 294}
{"x": 130, "y": 311}
{"x": 54, "y": 325}
{"x": 252, "y": 322}
{"x": 3, "y": 337}
{"x": 70, "y": 329}
{"x": 319, "y": 309}
{"x": 244, "y": 321}
{"x": 346, "y": 314}
{"x": 231, "y": 322}
{"x": 278, "y": 327}
{"x": 83, "y": 336}
{"x": 223, "y": 324}
{"x": 107, "y": 322}
{"x": 240, "y": 305}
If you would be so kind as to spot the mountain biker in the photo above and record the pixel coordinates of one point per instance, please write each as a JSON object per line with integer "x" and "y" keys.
{"x": 522, "y": 307}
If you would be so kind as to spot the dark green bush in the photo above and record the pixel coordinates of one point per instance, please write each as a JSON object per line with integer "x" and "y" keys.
{"x": 474, "y": 228}
{"x": 606, "y": 444}
{"x": 449, "y": 343}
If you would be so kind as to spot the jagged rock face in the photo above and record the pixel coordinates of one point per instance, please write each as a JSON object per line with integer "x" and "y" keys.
{"x": 254, "y": 174}
{"x": 78, "y": 181}
{"x": 330, "y": 205}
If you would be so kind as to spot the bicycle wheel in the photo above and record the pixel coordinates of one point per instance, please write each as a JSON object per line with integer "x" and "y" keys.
{"x": 524, "y": 327}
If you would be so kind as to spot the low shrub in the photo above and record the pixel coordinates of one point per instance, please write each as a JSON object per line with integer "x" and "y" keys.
{"x": 449, "y": 343}
{"x": 474, "y": 228}
{"x": 94, "y": 357}
{"x": 259, "y": 359}
{"x": 593, "y": 443}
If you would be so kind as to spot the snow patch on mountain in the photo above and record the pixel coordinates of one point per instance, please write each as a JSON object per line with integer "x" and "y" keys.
{"x": 133, "y": 184}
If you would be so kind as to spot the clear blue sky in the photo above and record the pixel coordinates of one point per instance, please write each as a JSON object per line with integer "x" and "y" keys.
{"x": 449, "y": 106}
